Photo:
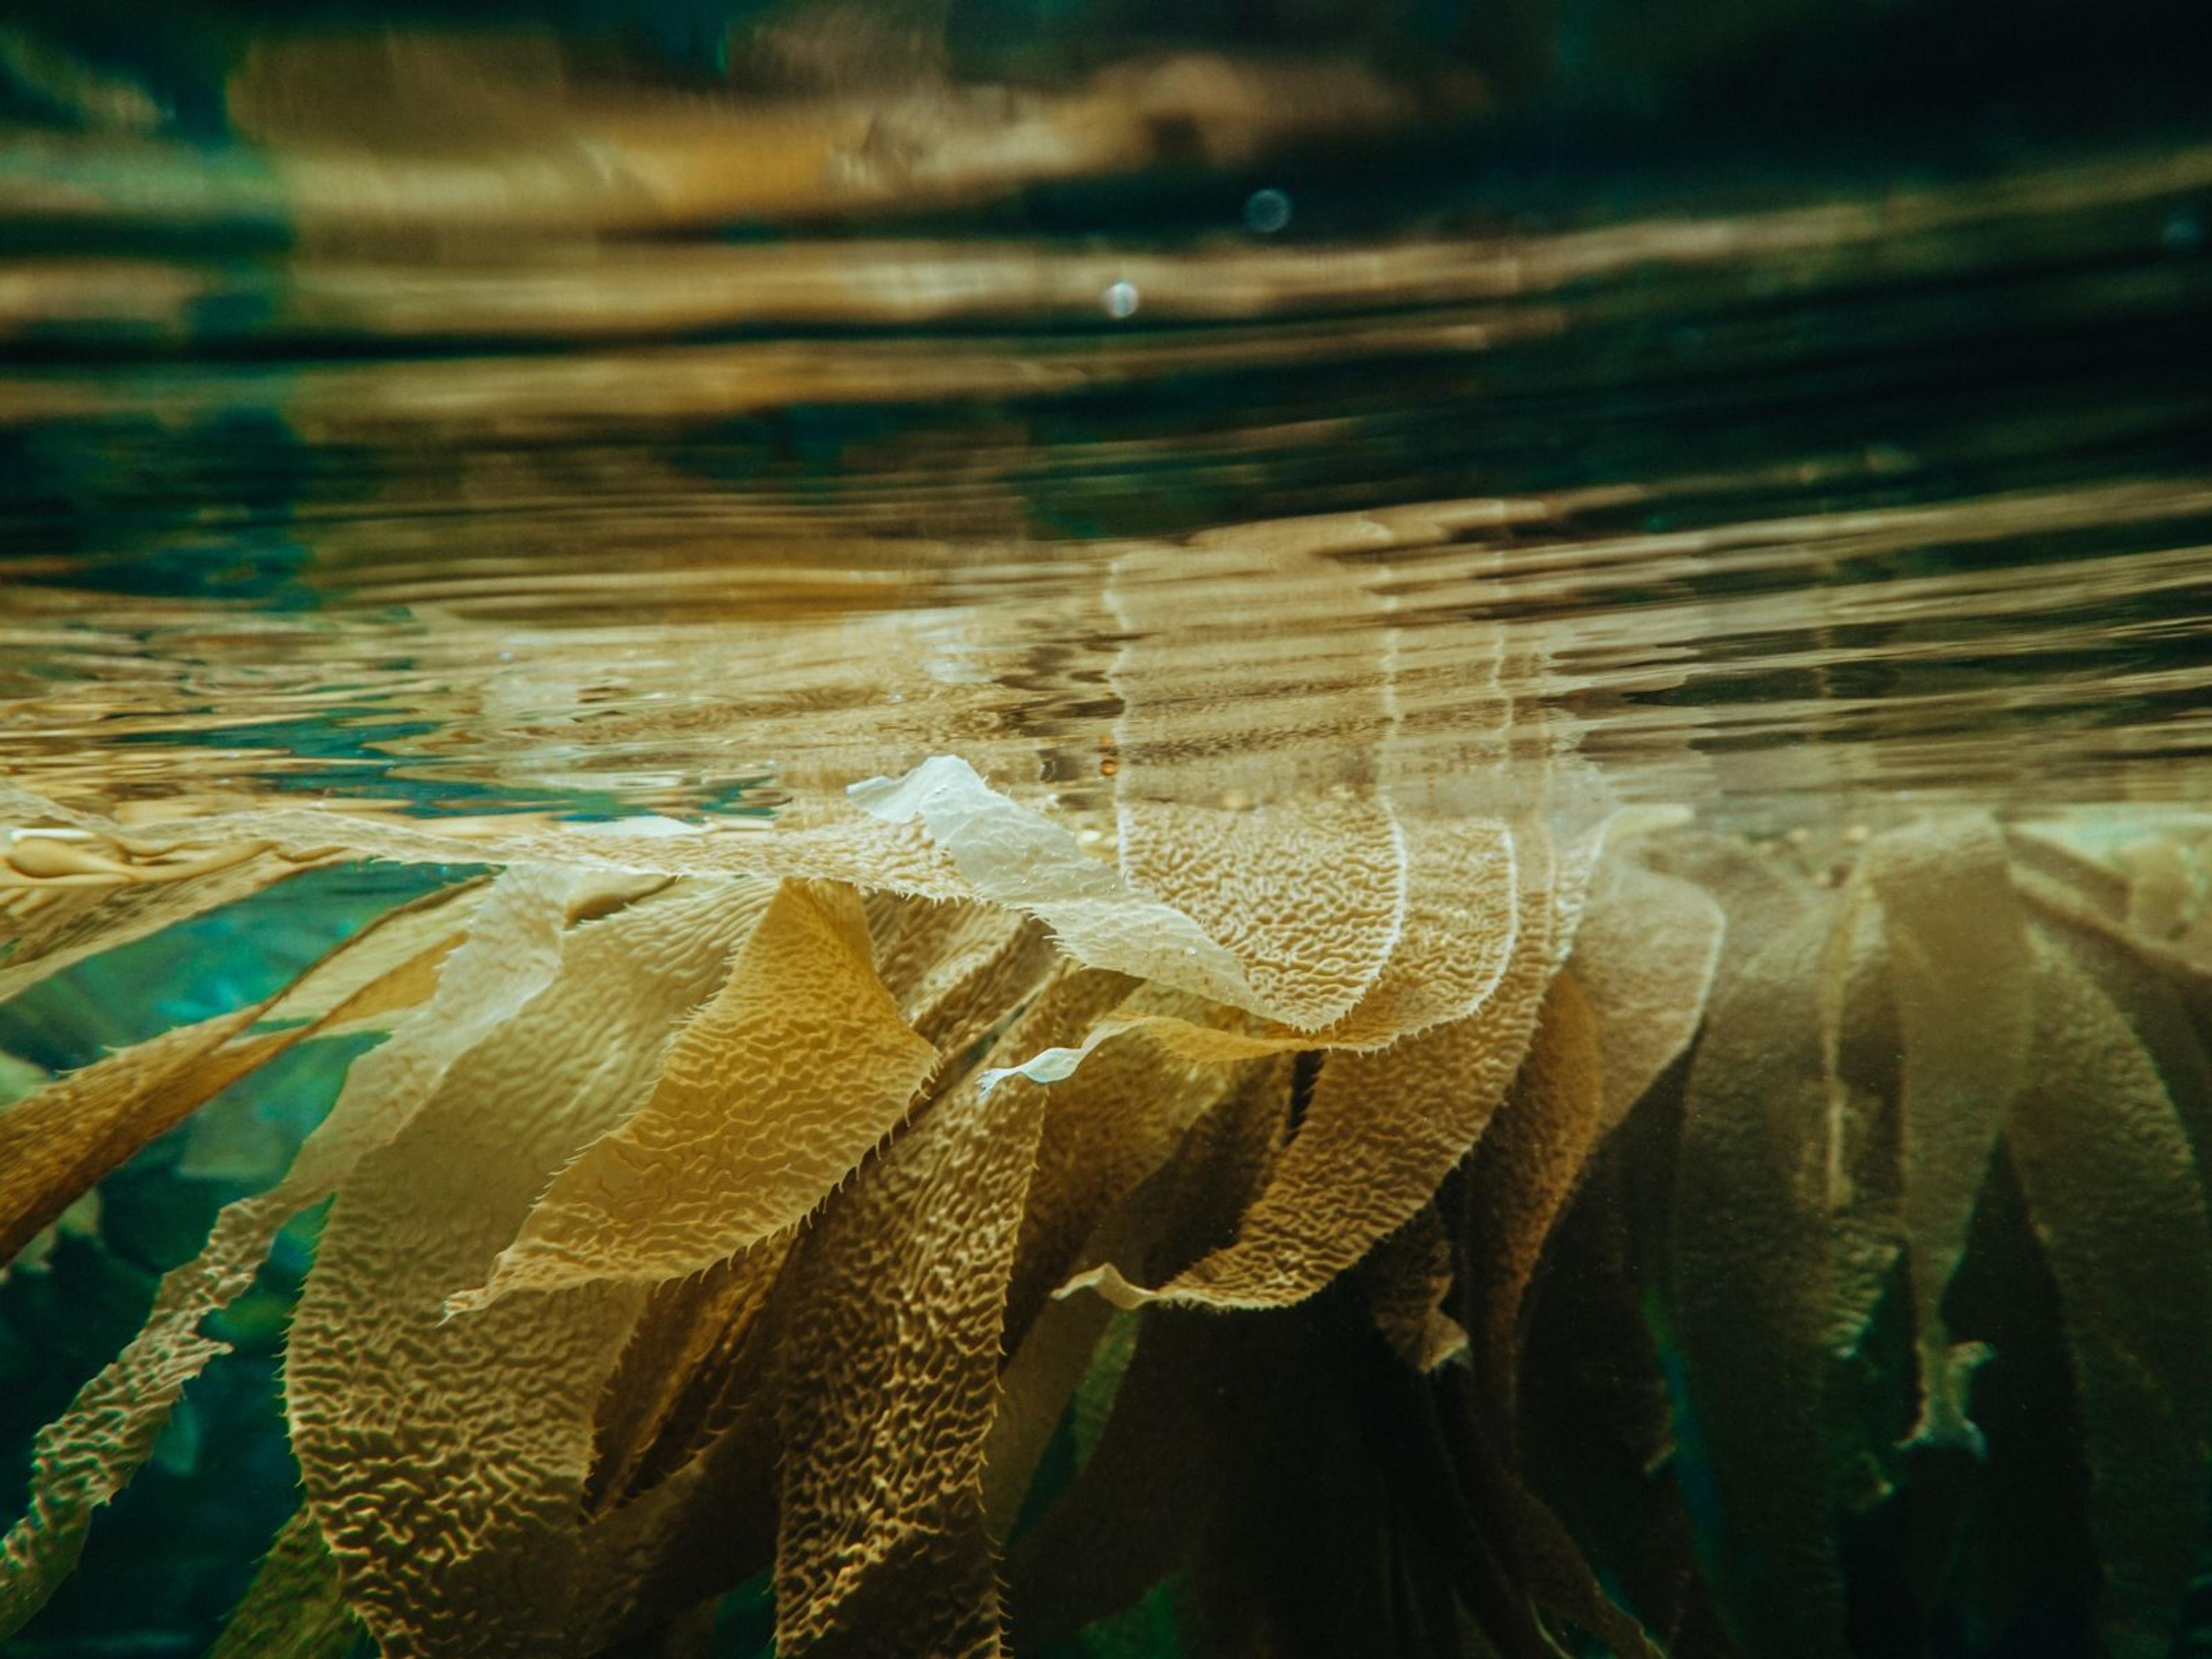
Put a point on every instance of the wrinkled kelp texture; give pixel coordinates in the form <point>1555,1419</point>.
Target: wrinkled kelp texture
<point>1323,1229</point>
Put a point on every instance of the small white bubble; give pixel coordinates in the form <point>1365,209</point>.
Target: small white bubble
<point>1266,211</point>
<point>1121,300</point>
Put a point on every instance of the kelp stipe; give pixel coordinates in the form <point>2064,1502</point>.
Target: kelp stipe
<point>1575,1262</point>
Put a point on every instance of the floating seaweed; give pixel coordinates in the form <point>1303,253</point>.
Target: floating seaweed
<point>686,1225</point>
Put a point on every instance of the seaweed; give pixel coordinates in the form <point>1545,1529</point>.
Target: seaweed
<point>1576,1235</point>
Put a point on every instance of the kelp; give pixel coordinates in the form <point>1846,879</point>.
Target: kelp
<point>742,1133</point>
<point>295,1606</point>
<point>715,1205</point>
<point>81,1461</point>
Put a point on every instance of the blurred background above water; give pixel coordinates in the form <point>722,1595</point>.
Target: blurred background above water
<point>566,407</point>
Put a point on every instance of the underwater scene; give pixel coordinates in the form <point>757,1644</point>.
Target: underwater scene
<point>1093,828</point>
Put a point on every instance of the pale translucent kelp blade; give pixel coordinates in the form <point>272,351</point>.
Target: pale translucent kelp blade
<point>1462,916</point>
<point>1644,956</point>
<point>1010,855</point>
<point>56,1143</point>
<point>1309,898</point>
<point>840,845</point>
<point>417,936</point>
<point>1301,877</point>
<point>799,1066</point>
<point>83,1458</point>
<point>1962,978</point>
<point>1380,1133</point>
<point>483,1552</point>
<point>1527,1169</point>
<point>1751,1270</point>
<point>48,923</point>
<point>294,1609</point>
<point>2119,1207</point>
<point>891,1370</point>
<point>1462,919</point>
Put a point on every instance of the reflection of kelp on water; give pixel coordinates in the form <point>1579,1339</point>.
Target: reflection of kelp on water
<point>685,1223</point>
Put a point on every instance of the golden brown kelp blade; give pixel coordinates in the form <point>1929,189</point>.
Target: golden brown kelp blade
<point>1752,1269</point>
<point>1527,1169</point>
<point>81,1460</point>
<point>1408,1279</point>
<point>1644,957</point>
<point>68,895</point>
<point>781,1178</point>
<point>749,1122</point>
<point>2118,1204</point>
<point>1381,1131</point>
<point>295,1608</point>
<point>694,1364</point>
<point>380,1385</point>
<point>1961,979</point>
<point>891,1368</point>
<point>56,1143</point>
<point>1594,1432</point>
<point>1142,1502</point>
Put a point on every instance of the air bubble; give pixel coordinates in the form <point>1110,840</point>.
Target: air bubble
<point>1266,211</point>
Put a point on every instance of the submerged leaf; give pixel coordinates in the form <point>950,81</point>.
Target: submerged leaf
<point>2120,1210</point>
<point>770,1096</point>
<point>293,1609</point>
<point>1013,856</point>
<point>445,1459</point>
<point>891,1370</point>
<point>1960,973</point>
<point>400,955</point>
<point>1750,1288</point>
<point>1147,1493</point>
<point>1462,919</point>
<point>1308,897</point>
<point>1644,957</point>
<point>47,924</point>
<point>1408,1279</point>
<point>83,1458</point>
<point>1107,1130</point>
<point>685,1374</point>
<point>1380,1133</point>
<point>1526,1170</point>
<point>55,1144</point>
